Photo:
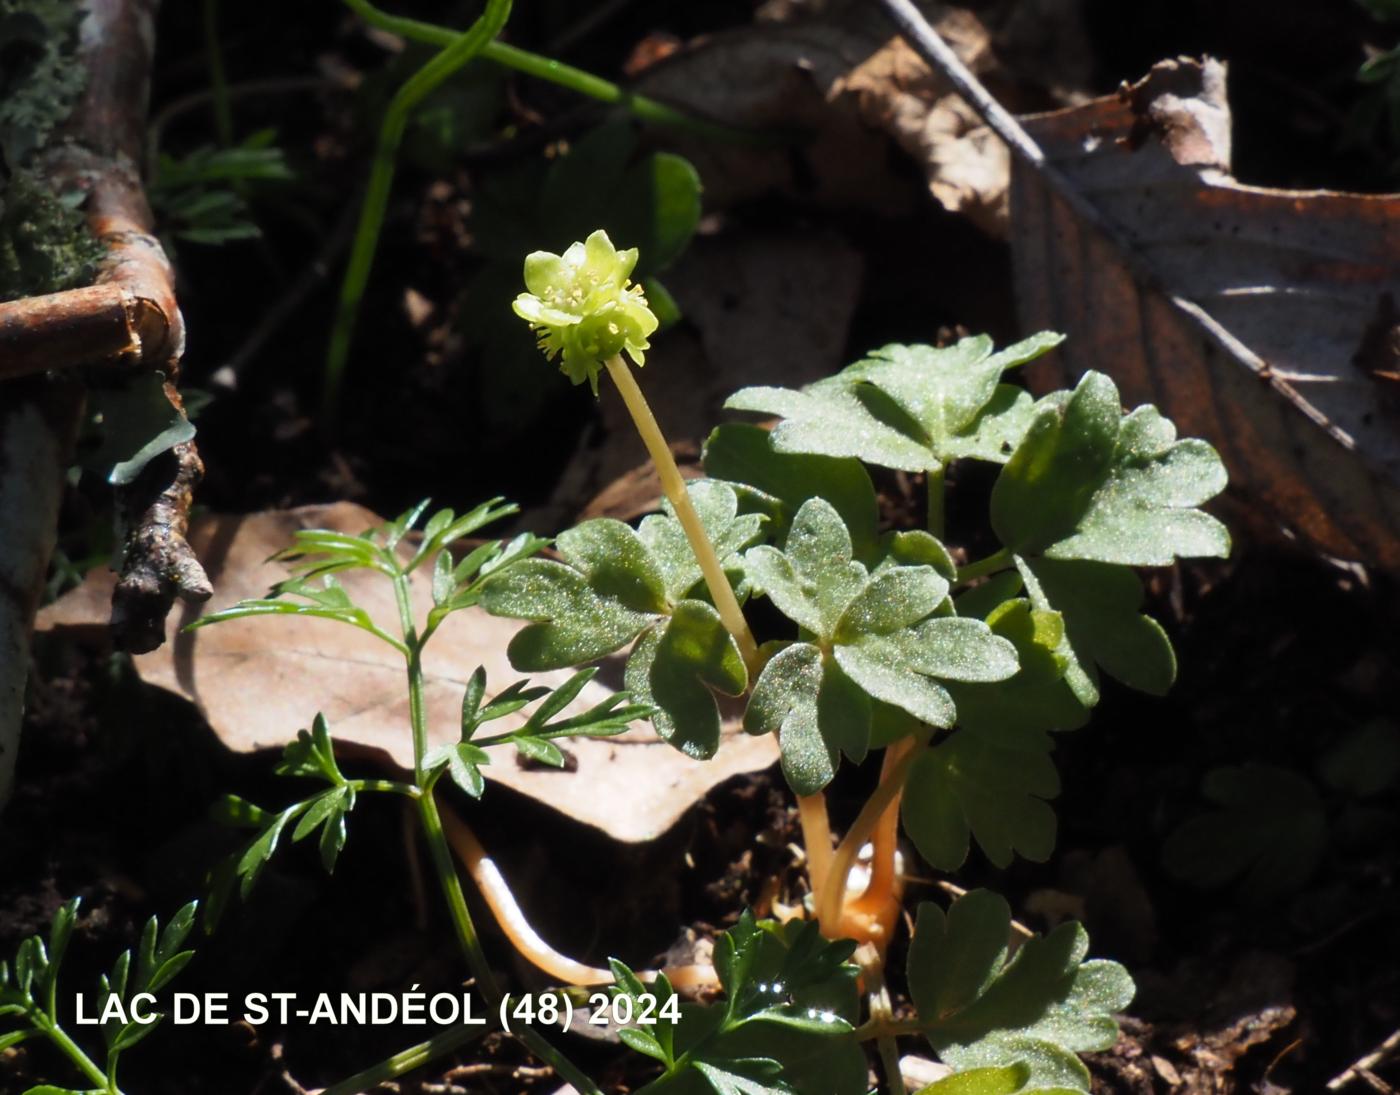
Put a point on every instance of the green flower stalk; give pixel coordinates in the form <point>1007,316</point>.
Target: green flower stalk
<point>587,313</point>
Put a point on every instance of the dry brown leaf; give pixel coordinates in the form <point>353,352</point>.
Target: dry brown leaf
<point>258,680</point>
<point>1260,319</point>
<point>844,80</point>
<point>966,165</point>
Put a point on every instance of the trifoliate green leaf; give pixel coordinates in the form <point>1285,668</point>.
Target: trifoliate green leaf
<point>1040,1008</point>
<point>915,547</point>
<point>676,666</point>
<point>816,711</point>
<point>607,590</point>
<point>777,483</point>
<point>327,811</point>
<point>312,754</point>
<point>1089,482</point>
<point>463,762</point>
<point>784,1026</point>
<point>879,630</point>
<point>1037,699</point>
<point>971,786</point>
<point>814,578</point>
<point>982,1081</point>
<point>1103,627</point>
<point>911,407</point>
<point>1267,829</point>
<point>717,506</point>
<point>615,585</point>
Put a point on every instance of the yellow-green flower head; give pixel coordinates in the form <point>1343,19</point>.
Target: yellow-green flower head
<point>582,306</point>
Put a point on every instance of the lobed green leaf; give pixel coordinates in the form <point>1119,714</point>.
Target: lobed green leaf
<point>785,1024</point>
<point>778,483</point>
<point>915,408</point>
<point>1091,483</point>
<point>1039,1007</point>
<point>677,667</point>
<point>970,786</point>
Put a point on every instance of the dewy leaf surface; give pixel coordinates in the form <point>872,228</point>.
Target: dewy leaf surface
<point>779,482</point>
<point>910,407</point>
<point>1089,492</point>
<point>676,665</point>
<point>790,1004</point>
<point>1041,1007</point>
<point>814,578</point>
<point>816,711</point>
<point>717,506</point>
<point>604,593</point>
<point>872,635</point>
<point>1104,628</point>
<point>1037,699</point>
<point>1089,482</point>
<point>615,585</point>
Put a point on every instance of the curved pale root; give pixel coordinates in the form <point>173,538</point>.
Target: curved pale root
<point>494,888</point>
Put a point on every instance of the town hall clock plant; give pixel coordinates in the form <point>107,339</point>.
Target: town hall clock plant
<point>883,640</point>
<point>960,671</point>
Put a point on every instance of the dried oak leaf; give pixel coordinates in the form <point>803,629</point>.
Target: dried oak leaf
<point>257,680</point>
<point>1249,315</point>
<point>847,84</point>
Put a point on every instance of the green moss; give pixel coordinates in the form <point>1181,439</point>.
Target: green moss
<point>45,245</point>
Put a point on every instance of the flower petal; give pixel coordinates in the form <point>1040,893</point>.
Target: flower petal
<point>544,272</point>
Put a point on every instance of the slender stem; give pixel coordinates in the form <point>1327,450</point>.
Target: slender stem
<point>833,895</point>
<point>407,1060</point>
<point>441,853</point>
<point>993,563</point>
<point>556,72</point>
<point>218,81</point>
<point>595,87</point>
<point>934,483</point>
<point>59,1037</point>
<point>540,1046</point>
<point>456,901</point>
<point>816,838</point>
<point>872,965</point>
<point>470,943</point>
<point>463,48</point>
<point>889,1061</point>
<point>671,482</point>
<point>887,1028</point>
<point>413,654</point>
<point>390,786</point>
<point>509,916</point>
<point>886,837</point>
